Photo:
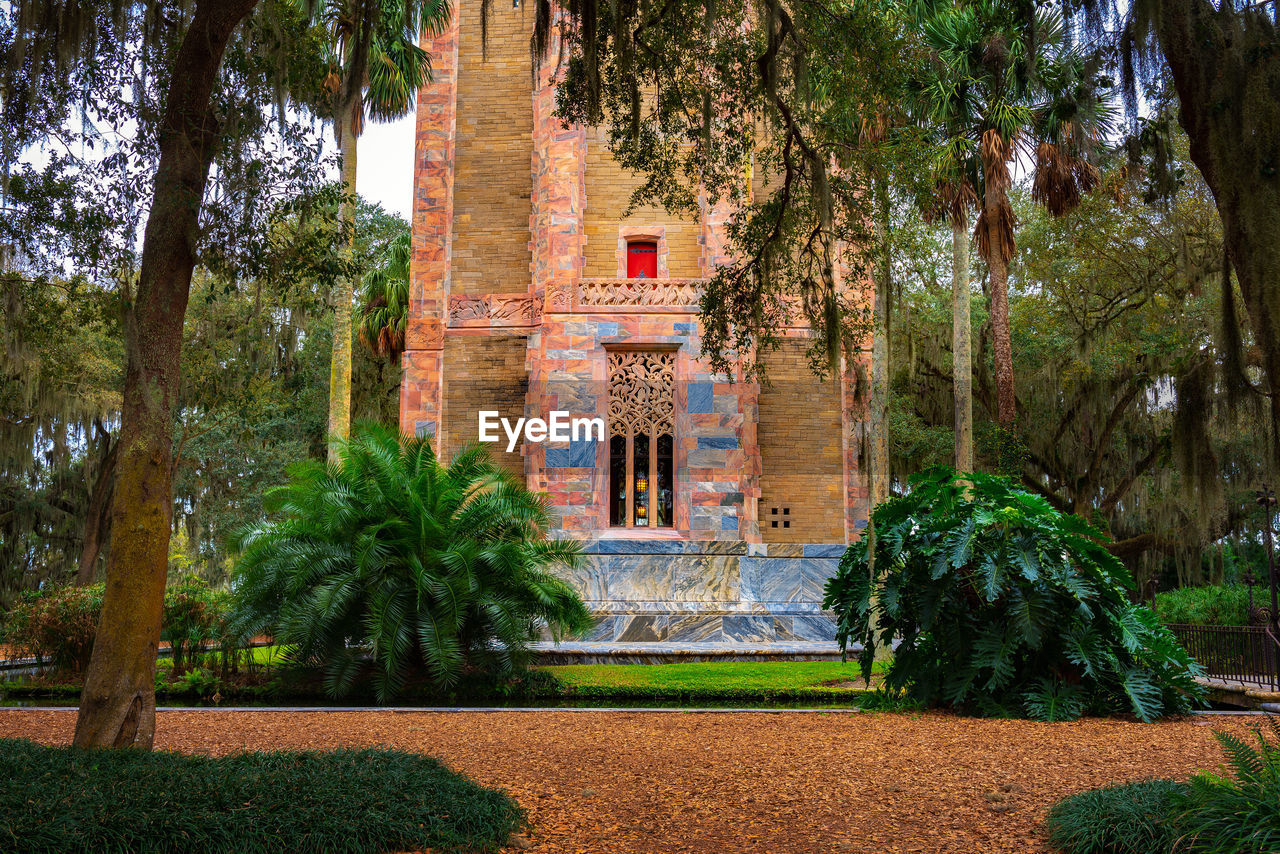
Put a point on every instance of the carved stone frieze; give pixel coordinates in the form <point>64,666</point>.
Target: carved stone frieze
<point>639,292</point>
<point>493,310</point>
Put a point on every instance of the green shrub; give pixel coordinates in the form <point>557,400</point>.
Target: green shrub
<point>56,625</point>
<point>56,799</point>
<point>1204,606</point>
<point>197,618</point>
<point>1005,606</point>
<point>1234,813</point>
<point>1237,813</point>
<point>1134,818</point>
<point>389,562</point>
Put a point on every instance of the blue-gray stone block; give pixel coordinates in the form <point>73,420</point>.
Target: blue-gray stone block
<point>424,429</point>
<point>699,397</point>
<point>717,442</point>
<point>696,630</point>
<point>737,628</point>
<point>637,547</point>
<point>705,458</point>
<point>816,573</point>
<point>771,580</point>
<point>725,404</point>
<point>814,627</point>
<point>834,550</point>
<point>729,523</point>
<point>686,328</point>
<point>581,453</point>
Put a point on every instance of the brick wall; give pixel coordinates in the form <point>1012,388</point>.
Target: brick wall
<point>802,469</point>
<point>483,373</point>
<point>494,147</point>
<point>609,189</point>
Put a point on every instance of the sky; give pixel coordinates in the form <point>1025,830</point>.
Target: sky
<point>385,157</point>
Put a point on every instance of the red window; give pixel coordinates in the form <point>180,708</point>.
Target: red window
<point>642,259</point>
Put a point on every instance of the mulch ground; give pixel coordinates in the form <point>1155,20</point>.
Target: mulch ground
<point>722,783</point>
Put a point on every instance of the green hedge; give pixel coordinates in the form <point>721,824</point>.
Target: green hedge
<point>55,799</point>
<point>1204,606</point>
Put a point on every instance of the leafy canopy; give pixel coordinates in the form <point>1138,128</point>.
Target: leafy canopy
<point>390,561</point>
<point>1003,605</point>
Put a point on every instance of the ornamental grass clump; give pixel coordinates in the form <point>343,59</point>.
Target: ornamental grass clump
<point>1133,818</point>
<point>1002,605</point>
<point>388,564</point>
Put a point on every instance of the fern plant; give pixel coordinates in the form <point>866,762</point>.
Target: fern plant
<point>389,562</point>
<point>1003,606</point>
<point>1237,813</point>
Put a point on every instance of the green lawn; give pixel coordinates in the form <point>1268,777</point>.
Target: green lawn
<point>741,675</point>
<point>713,682</point>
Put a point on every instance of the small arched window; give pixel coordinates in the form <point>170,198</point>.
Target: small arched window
<point>642,259</point>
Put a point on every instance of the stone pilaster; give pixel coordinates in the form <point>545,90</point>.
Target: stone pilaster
<point>421,391</point>
<point>559,189</point>
<point>561,373</point>
<point>715,235</point>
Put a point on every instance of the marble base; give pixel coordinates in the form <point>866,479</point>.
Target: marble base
<point>570,652</point>
<point>686,592</point>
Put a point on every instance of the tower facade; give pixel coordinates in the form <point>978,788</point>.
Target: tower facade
<point>712,508</point>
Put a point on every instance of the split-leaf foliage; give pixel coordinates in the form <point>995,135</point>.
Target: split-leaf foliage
<point>1002,605</point>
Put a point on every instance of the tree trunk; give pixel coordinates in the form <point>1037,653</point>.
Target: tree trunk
<point>878,417</point>
<point>117,705</point>
<point>1226,72</point>
<point>995,202</point>
<point>97,520</point>
<point>343,296</point>
<point>961,346</point>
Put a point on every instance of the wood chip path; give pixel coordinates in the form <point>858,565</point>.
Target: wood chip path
<point>723,783</point>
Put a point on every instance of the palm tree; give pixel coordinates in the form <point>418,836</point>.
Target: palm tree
<point>376,67</point>
<point>386,562</point>
<point>1002,89</point>
<point>384,301</point>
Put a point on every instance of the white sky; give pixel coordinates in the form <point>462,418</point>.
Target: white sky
<point>385,158</point>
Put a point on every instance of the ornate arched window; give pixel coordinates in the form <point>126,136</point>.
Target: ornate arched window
<point>641,438</point>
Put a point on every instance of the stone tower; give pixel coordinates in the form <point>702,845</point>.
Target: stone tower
<point>714,509</point>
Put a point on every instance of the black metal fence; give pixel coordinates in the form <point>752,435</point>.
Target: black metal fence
<point>1238,653</point>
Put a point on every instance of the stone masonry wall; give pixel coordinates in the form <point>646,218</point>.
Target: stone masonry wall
<point>483,373</point>
<point>609,189</point>
<point>494,146</point>
<point>802,464</point>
